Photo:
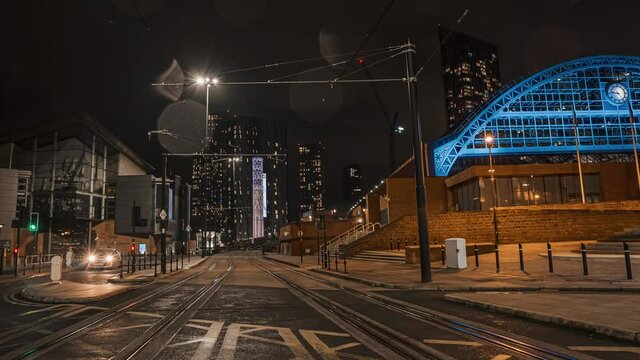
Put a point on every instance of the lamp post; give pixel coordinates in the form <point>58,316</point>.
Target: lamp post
<point>494,192</point>
<point>205,81</point>
<point>575,133</point>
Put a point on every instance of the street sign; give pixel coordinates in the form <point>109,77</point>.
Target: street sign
<point>188,228</point>
<point>163,214</point>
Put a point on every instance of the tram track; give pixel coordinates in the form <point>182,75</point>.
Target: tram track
<point>519,345</point>
<point>47,343</point>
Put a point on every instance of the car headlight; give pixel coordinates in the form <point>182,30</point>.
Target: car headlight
<point>109,258</point>
<point>92,258</point>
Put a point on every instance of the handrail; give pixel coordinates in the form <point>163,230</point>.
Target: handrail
<point>357,232</point>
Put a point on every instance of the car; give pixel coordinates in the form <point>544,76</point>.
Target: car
<point>104,259</point>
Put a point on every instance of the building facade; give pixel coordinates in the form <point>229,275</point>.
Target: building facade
<point>311,177</point>
<point>66,172</point>
<point>239,188</point>
<point>470,72</point>
<point>352,183</point>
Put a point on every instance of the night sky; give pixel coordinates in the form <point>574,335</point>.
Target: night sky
<point>61,57</point>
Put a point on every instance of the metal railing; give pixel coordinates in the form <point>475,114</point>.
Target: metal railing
<point>357,232</point>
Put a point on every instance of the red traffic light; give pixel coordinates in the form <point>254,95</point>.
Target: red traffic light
<point>15,250</point>
<point>361,61</point>
<point>133,248</point>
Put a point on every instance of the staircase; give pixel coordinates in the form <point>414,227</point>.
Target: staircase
<point>380,256</point>
<point>349,236</point>
<point>614,244</point>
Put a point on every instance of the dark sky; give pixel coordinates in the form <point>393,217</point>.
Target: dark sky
<point>61,57</point>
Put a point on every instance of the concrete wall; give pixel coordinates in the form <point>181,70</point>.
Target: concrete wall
<point>401,193</point>
<point>127,167</point>
<point>515,224</point>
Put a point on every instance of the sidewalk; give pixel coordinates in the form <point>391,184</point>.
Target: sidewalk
<point>615,315</point>
<point>149,274</point>
<point>605,273</point>
<point>72,292</point>
<point>31,273</point>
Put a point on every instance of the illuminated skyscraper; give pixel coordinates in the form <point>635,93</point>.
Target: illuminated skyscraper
<point>351,184</point>
<point>470,73</point>
<point>311,177</point>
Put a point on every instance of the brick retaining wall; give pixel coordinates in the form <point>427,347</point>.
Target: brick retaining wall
<point>525,224</point>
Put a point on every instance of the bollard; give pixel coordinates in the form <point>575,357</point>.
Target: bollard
<point>627,260</point>
<point>497,251</point>
<point>336,260</point>
<point>521,257</point>
<point>133,262</point>
<point>171,261</point>
<point>391,244</point>
<point>128,263</point>
<point>585,266</point>
<point>24,266</point>
<point>155,265</point>
<point>139,268</point>
<point>121,267</point>
<point>550,256</point>
<point>40,263</point>
<point>344,257</point>
<point>405,243</point>
<point>475,253</point>
<point>398,243</point>
<point>144,261</point>
<point>182,260</point>
<point>415,243</point>
<point>442,255</point>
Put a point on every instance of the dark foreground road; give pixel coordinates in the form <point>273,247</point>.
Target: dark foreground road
<point>240,306</point>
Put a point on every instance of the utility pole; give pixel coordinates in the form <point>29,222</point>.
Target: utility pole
<point>421,196</point>
<point>163,222</point>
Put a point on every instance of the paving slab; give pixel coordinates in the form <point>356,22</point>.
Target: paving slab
<point>615,315</point>
<point>71,292</point>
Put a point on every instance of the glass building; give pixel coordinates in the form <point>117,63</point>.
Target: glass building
<point>532,120</point>
<point>311,169</point>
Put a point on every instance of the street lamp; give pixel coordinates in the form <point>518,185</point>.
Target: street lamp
<point>489,141</point>
<point>208,82</point>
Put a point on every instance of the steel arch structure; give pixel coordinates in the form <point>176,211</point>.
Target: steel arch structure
<point>534,116</point>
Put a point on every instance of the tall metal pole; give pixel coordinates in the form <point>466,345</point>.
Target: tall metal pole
<point>575,133</point>
<point>163,222</point>
<point>206,119</point>
<point>421,196</point>
<point>494,190</point>
<point>633,139</point>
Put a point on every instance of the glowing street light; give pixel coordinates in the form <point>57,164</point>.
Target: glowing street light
<point>489,141</point>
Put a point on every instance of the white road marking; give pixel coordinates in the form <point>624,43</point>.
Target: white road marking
<point>501,357</point>
<point>205,348</point>
<point>327,352</point>
<point>629,349</point>
<point>236,331</point>
<point>451,342</point>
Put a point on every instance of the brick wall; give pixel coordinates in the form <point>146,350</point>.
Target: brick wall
<point>515,224</point>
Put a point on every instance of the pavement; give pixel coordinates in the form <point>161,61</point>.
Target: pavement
<point>565,297</point>
<point>66,291</point>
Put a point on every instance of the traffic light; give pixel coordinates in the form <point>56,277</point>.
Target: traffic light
<point>133,248</point>
<point>15,250</point>
<point>34,219</point>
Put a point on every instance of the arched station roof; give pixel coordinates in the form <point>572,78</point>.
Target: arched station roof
<point>535,115</point>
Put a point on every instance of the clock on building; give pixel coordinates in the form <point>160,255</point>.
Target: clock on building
<point>616,93</point>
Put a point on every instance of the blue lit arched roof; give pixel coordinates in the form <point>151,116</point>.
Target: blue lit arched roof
<point>534,116</point>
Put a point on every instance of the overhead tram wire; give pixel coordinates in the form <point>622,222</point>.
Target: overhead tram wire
<point>290,62</point>
<point>444,41</point>
<point>386,50</point>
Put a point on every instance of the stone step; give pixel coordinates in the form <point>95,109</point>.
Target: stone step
<point>380,256</point>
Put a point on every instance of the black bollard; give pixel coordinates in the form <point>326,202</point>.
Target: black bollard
<point>442,254</point>
<point>521,255</point>
<point>398,243</point>
<point>40,263</point>
<point>121,260</point>
<point>344,257</point>
<point>627,260</point>
<point>155,265</point>
<point>144,261</point>
<point>405,243</point>
<point>336,260</point>
<point>391,244</point>
<point>415,243</point>
<point>475,254</point>
<point>497,251</point>
<point>550,257</point>
<point>585,266</point>
<point>139,265</point>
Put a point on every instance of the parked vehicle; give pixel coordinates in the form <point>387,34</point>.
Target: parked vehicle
<point>104,259</point>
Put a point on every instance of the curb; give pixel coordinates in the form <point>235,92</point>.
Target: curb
<point>145,279</point>
<point>282,261</point>
<point>617,333</point>
<point>362,281</point>
<point>27,294</point>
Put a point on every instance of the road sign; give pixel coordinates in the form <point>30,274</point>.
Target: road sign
<point>163,214</point>
<point>188,228</point>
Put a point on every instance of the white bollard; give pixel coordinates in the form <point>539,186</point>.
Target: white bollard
<point>56,268</point>
<point>69,256</point>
